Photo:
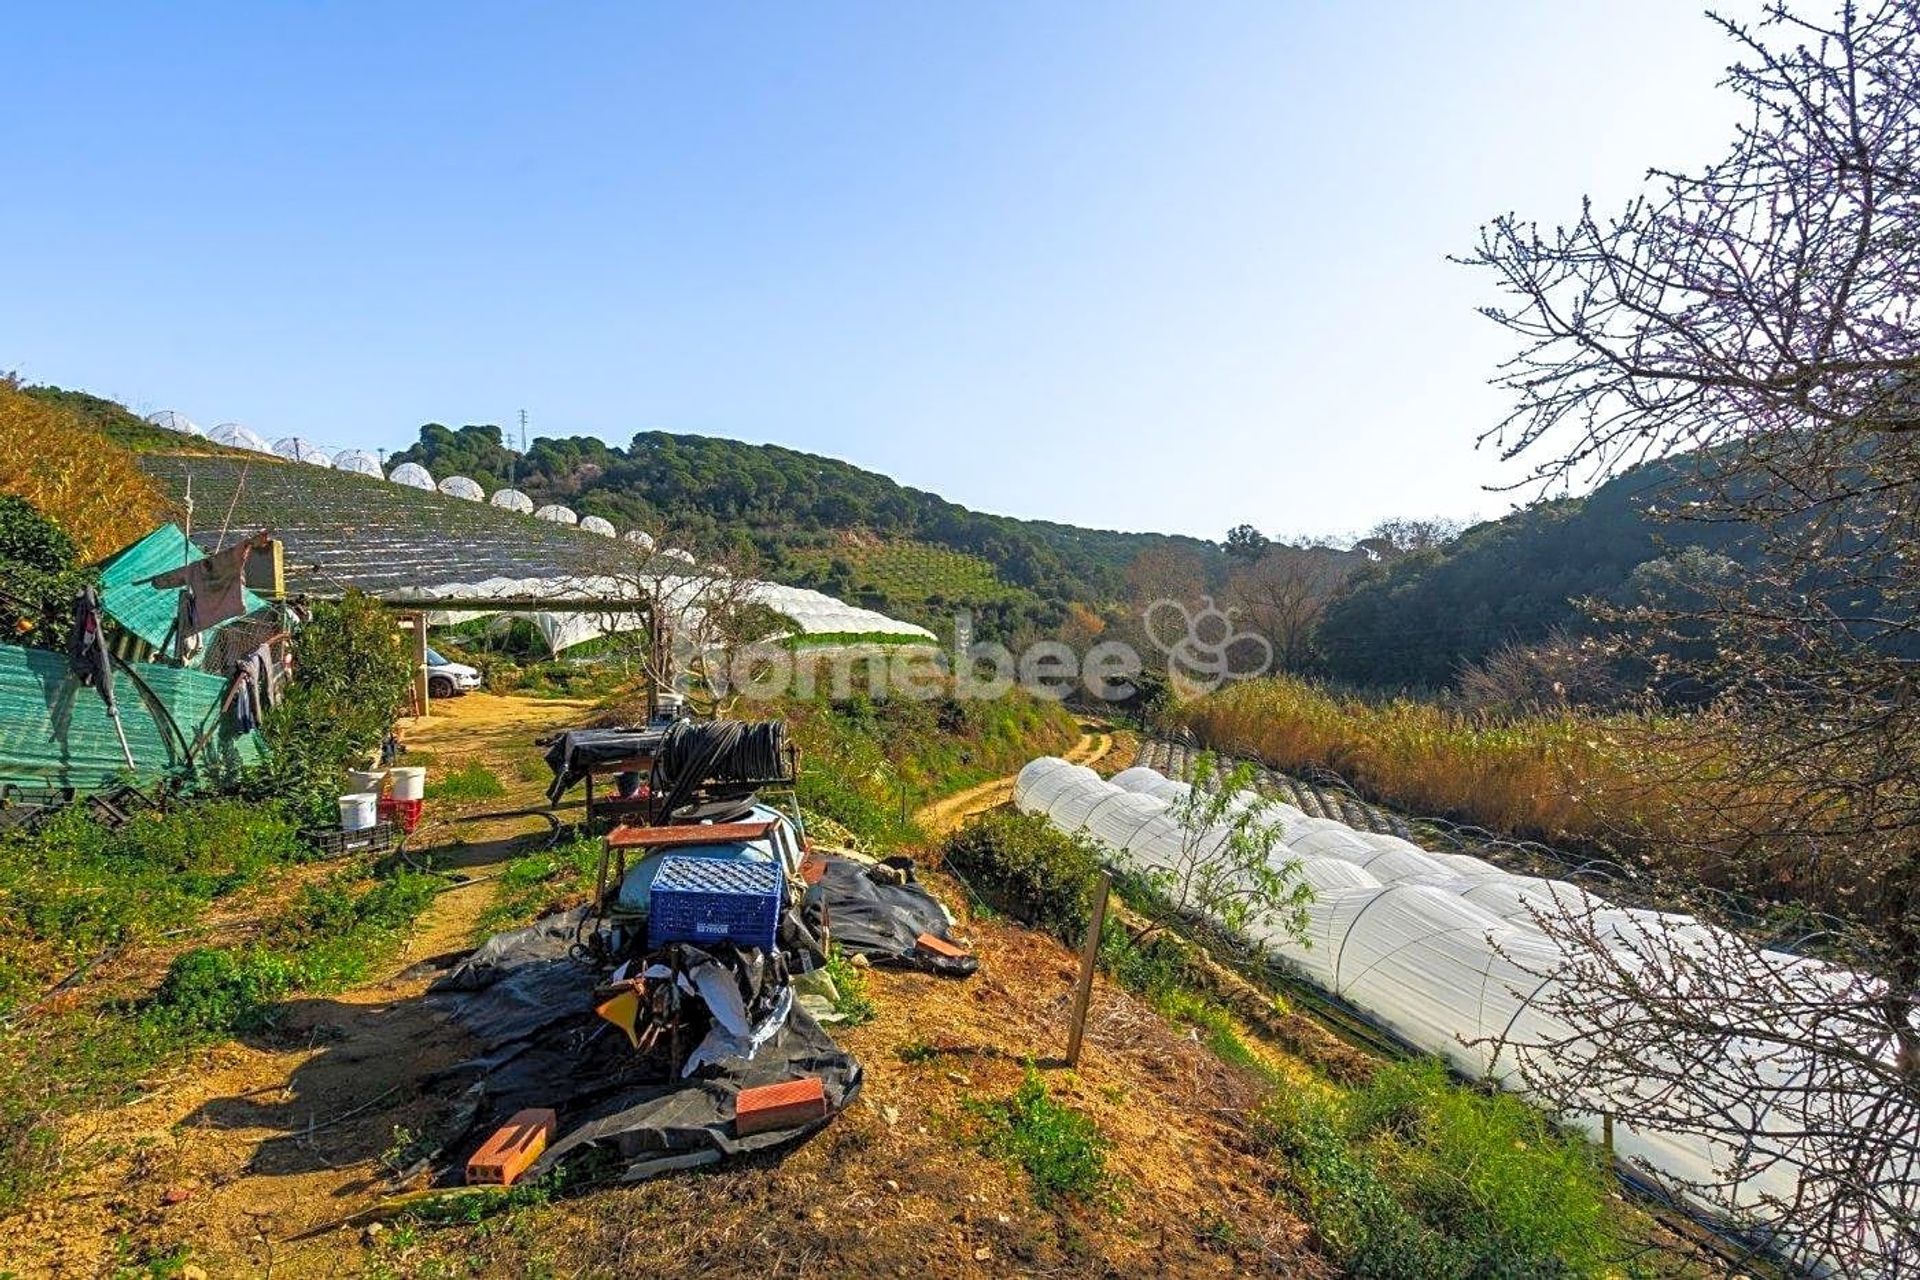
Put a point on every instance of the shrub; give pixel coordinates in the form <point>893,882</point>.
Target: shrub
<point>1035,871</point>
<point>214,992</point>
<point>39,576</point>
<point>352,681</point>
<point>1062,1151</point>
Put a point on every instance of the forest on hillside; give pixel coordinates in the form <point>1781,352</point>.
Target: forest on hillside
<point>775,502</point>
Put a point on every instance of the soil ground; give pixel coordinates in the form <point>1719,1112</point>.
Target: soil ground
<point>264,1157</point>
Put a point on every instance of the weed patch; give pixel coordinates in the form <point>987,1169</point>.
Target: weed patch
<point>1064,1154</point>
<point>852,1000</point>
<point>471,781</point>
<point>1412,1175</point>
<point>531,882</point>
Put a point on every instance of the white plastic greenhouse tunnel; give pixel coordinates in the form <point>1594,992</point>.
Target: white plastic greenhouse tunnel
<point>512,500</point>
<point>639,538</point>
<point>462,487</point>
<point>412,475</point>
<point>294,449</point>
<point>237,436</point>
<point>598,524</point>
<point>359,462</point>
<point>810,612</point>
<point>168,420</point>
<point>556,513</point>
<point>1445,951</point>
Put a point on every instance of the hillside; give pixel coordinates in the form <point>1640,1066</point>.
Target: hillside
<point>1416,621</point>
<point>796,510</point>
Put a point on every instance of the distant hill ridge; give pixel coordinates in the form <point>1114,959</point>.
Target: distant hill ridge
<point>791,506</point>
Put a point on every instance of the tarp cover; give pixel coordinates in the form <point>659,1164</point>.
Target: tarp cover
<point>578,750</point>
<point>871,917</point>
<point>529,1005</point>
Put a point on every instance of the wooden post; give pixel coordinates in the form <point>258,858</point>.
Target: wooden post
<point>420,681</point>
<point>1606,1133</point>
<point>1089,957</point>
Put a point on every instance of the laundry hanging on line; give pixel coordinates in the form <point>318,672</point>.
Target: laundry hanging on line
<point>214,589</point>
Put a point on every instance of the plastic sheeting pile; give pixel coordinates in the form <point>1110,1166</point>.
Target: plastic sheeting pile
<point>1445,950</point>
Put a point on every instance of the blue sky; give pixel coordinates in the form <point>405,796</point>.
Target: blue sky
<point>1147,266</point>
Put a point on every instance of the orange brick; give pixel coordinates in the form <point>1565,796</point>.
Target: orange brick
<point>940,947</point>
<point>779,1106</point>
<point>513,1146</point>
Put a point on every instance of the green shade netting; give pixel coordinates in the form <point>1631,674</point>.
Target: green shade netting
<point>55,732</point>
<point>144,610</point>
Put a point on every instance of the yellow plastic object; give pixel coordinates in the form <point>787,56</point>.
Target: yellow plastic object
<point>623,1011</point>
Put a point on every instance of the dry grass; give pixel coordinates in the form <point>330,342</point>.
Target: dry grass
<point>86,484</point>
<point>1567,777</point>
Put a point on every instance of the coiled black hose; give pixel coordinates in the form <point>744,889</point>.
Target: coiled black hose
<point>719,751</point>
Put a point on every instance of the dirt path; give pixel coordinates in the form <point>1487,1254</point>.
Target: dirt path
<point>243,1150</point>
<point>1097,742</point>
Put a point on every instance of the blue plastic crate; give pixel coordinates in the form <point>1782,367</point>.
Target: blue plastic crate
<point>713,900</point>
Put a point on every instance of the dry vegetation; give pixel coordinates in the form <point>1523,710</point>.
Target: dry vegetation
<point>63,466</point>
<point>1566,776</point>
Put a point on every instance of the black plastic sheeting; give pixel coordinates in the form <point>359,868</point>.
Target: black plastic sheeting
<point>578,750</point>
<point>530,1006</point>
<point>868,914</point>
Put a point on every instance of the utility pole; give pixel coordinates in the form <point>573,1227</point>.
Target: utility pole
<point>513,456</point>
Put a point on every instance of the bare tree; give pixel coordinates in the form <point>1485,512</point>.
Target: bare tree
<point>1755,324</point>
<point>689,620</point>
<point>1283,593</point>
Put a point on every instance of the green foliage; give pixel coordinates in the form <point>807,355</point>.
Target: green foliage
<point>216,992</point>
<point>1225,869</point>
<point>330,935</point>
<point>1031,868</point>
<point>916,578</point>
<point>1416,621</point>
<point>75,887</point>
<point>1413,1176</point>
<point>868,763</point>
<point>39,576</point>
<point>791,506</point>
<point>1064,1154</point>
<point>352,682</point>
<point>852,1000</point>
<point>532,881</point>
<point>471,781</point>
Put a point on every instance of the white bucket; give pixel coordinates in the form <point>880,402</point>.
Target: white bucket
<point>359,811</point>
<point>366,779</point>
<point>409,783</point>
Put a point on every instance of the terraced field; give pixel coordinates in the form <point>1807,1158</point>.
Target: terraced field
<point>910,570</point>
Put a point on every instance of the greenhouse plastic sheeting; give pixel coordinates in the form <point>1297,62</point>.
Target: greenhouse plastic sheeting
<point>512,500</point>
<point>55,732</point>
<point>412,475</point>
<point>812,613</point>
<point>1447,951</point>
